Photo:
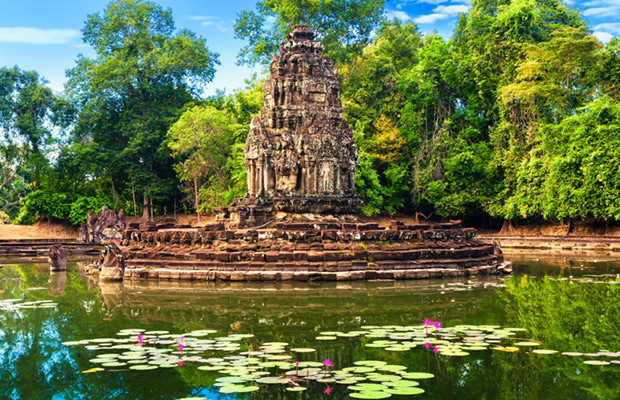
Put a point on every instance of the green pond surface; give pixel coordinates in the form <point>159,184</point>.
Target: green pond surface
<point>66,336</point>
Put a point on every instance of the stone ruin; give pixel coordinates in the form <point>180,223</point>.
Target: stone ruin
<point>103,227</point>
<point>299,154</point>
<point>57,257</point>
<point>298,221</point>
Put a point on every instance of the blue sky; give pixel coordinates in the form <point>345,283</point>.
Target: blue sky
<point>45,35</point>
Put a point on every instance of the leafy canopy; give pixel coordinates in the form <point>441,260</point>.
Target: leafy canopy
<point>344,26</point>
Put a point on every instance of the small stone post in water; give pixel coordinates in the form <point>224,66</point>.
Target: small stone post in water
<point>57,258</point>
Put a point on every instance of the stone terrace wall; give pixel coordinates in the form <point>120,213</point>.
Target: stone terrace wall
<point>307,251</point>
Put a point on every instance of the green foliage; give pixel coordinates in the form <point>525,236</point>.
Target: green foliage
<point>79,208</point>
<point>608,68</point>
<point>371,98</point>
<point>201,142</point>
<point>344,26</point>
<point>132,91</point>
<point>43,204</point>
<point>515,116</point>
<point>25,106</point>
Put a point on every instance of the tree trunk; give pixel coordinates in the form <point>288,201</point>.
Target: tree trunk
<point>114,197</point>
<point>133,194</point>
<point>196,198</point>
<point>569,227</point>
<point>146,214</point>
<point>151,207</point>
<point>506,227</point>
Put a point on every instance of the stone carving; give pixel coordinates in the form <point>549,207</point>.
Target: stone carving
<point>299,155</point>
<point>106,225</point>
<point>112,267</point>
<point>57,258</point>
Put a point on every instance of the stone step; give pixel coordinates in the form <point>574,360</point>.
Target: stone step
<point>304,275</point>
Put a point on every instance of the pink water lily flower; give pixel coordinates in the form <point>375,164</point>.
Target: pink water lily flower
<point>436,350</point>
<point>328,390</point>
<point>328,364</point>
<point>437,324</point>
<point>428,322</point>
<point>181,346</point>
<point>427,345</point>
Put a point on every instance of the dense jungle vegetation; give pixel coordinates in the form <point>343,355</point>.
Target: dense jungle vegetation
<point>515,117</point>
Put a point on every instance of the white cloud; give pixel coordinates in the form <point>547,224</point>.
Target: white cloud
<point>613,27</point>
<point>401,15</point>
<point>602,37</point>
<point>212,22</point>
<point>429,19</point>
<point>600,8</point>
<point>601,11</point>
<point>38,36</point>
<point>598,3</point>
<point>441,12</point>
<point>434,2</point>
<point>451,10</point>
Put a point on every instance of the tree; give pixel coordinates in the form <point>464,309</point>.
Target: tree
<point>26,106</point>
<point>344,26</point>
<point>27,114</point>
<point>128,96</point>
<point>201,142</point>
<point>372,102</point>
<point>609,68</point>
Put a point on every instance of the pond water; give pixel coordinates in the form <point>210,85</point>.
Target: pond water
<point>65,336</point>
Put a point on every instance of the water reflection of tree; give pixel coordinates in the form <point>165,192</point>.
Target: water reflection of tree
<point>564,316</point>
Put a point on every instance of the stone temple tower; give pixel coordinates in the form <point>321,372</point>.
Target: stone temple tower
<point>299,154</point>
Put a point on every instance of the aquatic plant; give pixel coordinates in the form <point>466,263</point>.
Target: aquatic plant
<point>273,363</point>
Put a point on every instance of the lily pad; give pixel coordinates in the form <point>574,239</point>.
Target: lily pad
<point>303,350</point>
<point>370,395</point>
<point>417,375</point>
<point>544,351</point>
<point>143,367</point>
<point>596,362</point>
<point>405,391</point>
<point>238,389</point>
<point>296,389</point>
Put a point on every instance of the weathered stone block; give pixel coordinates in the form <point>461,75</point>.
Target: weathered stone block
<point>285,256</point>
<point>271,256</point>
<point>300,256</point>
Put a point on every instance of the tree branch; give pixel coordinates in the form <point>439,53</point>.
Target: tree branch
<point>11,175</point>
<point>10,204</point>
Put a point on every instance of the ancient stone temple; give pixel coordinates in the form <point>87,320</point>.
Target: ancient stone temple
<point>299,154</point>
<point>299,220</point>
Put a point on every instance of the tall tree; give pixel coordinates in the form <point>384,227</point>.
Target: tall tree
<point>201,143</point>
<point>26,106</point>
<point>609,68</point>
<point>372,103</point>
<point>344,26</point>
<point>133,90</point>
<point>27,109</point>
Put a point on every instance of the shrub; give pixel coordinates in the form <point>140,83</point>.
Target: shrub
<point>80,207</point>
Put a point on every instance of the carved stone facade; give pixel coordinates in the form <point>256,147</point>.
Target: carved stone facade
<point>106,225</point>
<point>299,155</point>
